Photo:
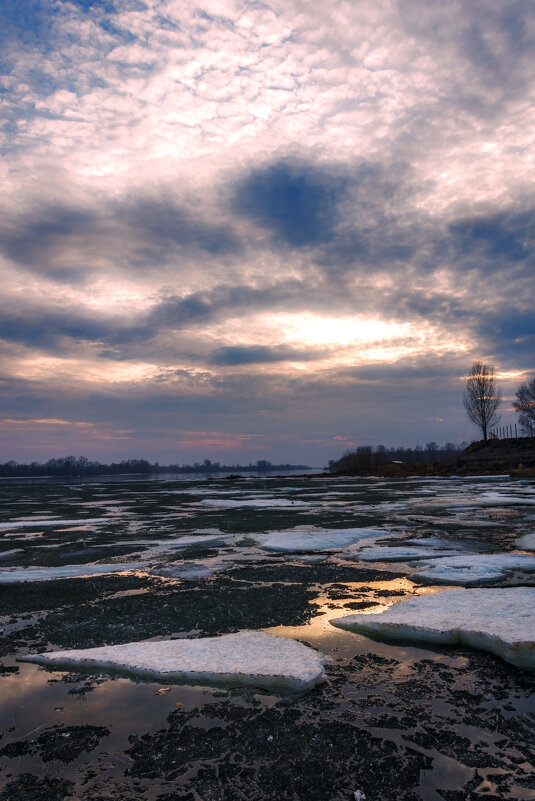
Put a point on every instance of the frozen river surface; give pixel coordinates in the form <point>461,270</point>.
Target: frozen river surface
<point>100,563</point>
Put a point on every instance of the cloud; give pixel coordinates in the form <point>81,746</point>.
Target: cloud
<point>227,301</point>
<point>261,354</point>
<point>507,237</point>
<point>185,184</point>
<point>51,329</point>
<point>68,241</point>
<point>297,202</point>
<point>161,225</point>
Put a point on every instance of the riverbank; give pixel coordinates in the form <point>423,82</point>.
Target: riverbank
<point>514,457</point>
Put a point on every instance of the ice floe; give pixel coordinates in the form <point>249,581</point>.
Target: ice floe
<point>175,543</point>
<point>499,477</point>
<point>468,523</point>
<point>16,574</point>
<point>527,542</point>
<point>7,554</point>
<point>246,658</point>
<point>190,570</point>
<point>475,501</point>
<point>448,502</point>
<point>51,521</point>
<point>255,503</point>
<point>437,542</point>
<point>404,554</point>
<point>475,567</point>
<point>317,539</point>
<point>501,621</point>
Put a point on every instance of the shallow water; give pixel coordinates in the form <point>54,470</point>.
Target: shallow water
<point>395,721</point>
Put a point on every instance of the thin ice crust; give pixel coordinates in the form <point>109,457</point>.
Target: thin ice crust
<point>501,621</point>
<point>471,568</point>
<point>316,539</point>
<point>246,658</point>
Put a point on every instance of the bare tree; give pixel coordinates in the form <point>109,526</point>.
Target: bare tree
<point>525,406</point>
<point>482,397</point>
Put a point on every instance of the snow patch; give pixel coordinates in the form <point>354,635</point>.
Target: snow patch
<point>501,621</point>
<point>245,658</point>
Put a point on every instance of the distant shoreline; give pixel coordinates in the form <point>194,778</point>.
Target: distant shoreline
<point>229,473</point>
<point>514,457</point>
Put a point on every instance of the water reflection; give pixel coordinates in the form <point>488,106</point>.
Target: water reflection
<point>335,642</point>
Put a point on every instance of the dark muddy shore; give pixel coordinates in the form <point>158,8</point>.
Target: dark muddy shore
<point>399,723</point>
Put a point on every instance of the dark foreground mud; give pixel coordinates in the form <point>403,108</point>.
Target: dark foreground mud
<point>452,726</point>
<point>397,722</point>
<point>59,743</point>
<point>170,608</point>
<point>369,728</point>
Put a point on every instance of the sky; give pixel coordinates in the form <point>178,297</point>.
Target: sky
<point>274,230</point>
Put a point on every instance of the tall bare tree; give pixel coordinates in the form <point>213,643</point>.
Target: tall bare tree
<point>482,397</point>
<point>525,405</point>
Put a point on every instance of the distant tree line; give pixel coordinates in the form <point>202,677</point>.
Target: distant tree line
<point>82,466</point>
<point>367,458</point>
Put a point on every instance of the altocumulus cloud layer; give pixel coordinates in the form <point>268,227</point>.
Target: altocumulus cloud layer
<point>244,230</point>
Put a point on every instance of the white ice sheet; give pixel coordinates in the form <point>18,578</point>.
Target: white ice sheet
<point>501,621</point>
<point>248,657</point>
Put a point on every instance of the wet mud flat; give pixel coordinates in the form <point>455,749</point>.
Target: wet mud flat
<point>392,720</point>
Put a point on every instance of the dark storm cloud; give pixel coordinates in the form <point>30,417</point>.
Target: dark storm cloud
<point>262,354</point>
<point>510,333</point>
<point>507,236</point>
<point>497,52</point>
<point>495,39</point>
<point>428,368</point>
<point>367,235</point>
<point>206,306</point>
<point>143,232</point>
<point>356,226</point>
<point>349,220</point>
<point>161,225</point>
<point>296,201</point>
<point>342,220</point>
<point>52,329</point>
<point>41,239</point>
